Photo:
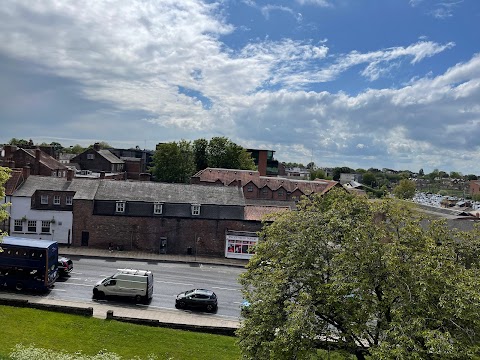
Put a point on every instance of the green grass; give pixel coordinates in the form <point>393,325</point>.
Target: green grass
<point>72,333</point>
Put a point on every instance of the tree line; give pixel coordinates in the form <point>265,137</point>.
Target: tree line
<point>176,162</point>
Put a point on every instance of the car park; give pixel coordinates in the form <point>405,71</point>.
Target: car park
<point>65,266</point>
<point>197,299</point>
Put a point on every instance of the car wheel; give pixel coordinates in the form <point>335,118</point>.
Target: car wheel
<point>98,294</point>
<point>19,286</point>
<point>181,304</point>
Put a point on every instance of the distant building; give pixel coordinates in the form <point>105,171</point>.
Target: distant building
<point>266,164</point>
<point>98,160</point>
<point>347,178</point>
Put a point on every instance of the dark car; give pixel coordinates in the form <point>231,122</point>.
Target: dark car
<point>198,299</point>
<point>65,266</point>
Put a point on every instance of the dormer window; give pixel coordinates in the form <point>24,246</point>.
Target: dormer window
<point>44,199</point>
<point>90,156</point>
<point>195,210</point>
<point>120,208</point>
<point>250,188</point>
<point>157,208</point>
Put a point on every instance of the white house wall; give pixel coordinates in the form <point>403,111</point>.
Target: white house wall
<point>60,228</point>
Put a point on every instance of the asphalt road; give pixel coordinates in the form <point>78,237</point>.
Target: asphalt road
<point>169,280</point>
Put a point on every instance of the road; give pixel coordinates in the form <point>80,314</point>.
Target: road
<point>169,280</point>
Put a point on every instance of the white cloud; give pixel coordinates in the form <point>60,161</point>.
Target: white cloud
<point>136,56</point>
<point>321,3</point>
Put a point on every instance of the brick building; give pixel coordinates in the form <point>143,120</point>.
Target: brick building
<point>39,162</point>
<point>257,187</point>
<point>98,160</point>
<point>474,187</point>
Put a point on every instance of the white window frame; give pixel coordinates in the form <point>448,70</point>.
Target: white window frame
<point>31,223</point>
<point>120,207</point>
<point>195,209</point>
<point>56,199</point>
<point>17,223</point>
<point>44,199</point>
<point>69,200</point>
<point>158,208</point>
<point>46,224</point>
<point>90,156</point>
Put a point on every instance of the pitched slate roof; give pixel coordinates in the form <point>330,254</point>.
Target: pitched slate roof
<point>168,193</point>
<point>107,154</point>
<point>228,176</point>
<point>46,160</point>
<point>13,182</point>
<point>83,188</point>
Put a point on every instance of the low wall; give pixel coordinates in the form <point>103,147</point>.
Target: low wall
<point>49,307</point>
<point>198,328</point>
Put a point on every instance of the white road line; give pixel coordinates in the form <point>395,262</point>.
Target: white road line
<point>222,288</point>
<point>172,282</point>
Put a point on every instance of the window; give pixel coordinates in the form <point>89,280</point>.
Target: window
<point>157,208</point>
<point>44,199</point>
<point>90,156</point>
<point>45,226</point>
<point>69,200</point>
<point>32,225</point>
<point>280,193</point>
<point>196,210</point>
<point>120,207</point>
<point>56,199</point>
<point>54,173</point>
<point>250,188</point>
<point>264,191</point>
<point>18,225</point>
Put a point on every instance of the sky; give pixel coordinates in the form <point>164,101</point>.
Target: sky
<point>359,83</point>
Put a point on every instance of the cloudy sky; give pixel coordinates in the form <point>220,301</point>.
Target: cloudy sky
<point>339,82</point>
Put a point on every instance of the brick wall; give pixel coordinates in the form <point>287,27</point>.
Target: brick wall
<point>144,233</point>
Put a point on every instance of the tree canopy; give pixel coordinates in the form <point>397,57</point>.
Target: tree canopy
<point>405,189</point>
<point>177,162</point>
<point>4,176</point>
<point>364,277</point>
<point>173,162</point>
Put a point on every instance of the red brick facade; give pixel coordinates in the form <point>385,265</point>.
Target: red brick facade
<point>207,236</point>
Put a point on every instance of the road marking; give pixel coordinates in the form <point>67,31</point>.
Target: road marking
<point>76,284</point>
<point>222,288</point>
<point>173,282</point>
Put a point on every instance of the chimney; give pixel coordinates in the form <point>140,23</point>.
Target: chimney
<point>69,175</point>
<point>38,153</point>
<point>96,146</point>
<point>8,151</point>
<point>26,172</point>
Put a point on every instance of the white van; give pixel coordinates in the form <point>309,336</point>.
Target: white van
<point>137,284</point>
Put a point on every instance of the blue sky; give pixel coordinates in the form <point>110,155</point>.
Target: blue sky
<point>392,83</point>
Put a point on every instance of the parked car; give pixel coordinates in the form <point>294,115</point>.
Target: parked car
<point>65,266</point>
<point>197,298</point>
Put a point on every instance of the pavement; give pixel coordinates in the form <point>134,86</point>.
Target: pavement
<point>167,316</point>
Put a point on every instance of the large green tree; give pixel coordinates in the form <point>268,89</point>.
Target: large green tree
<point>173,162</point>
<point>200,147</point>
<point>224,153</point>
<point>4,176</point>
<point>363,277</point>
<point>405,189</point>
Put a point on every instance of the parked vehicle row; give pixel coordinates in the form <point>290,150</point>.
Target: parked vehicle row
<point>35,264</point>
<point>138,285</point>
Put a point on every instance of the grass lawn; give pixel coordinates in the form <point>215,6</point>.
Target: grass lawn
<point>72,333</point>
